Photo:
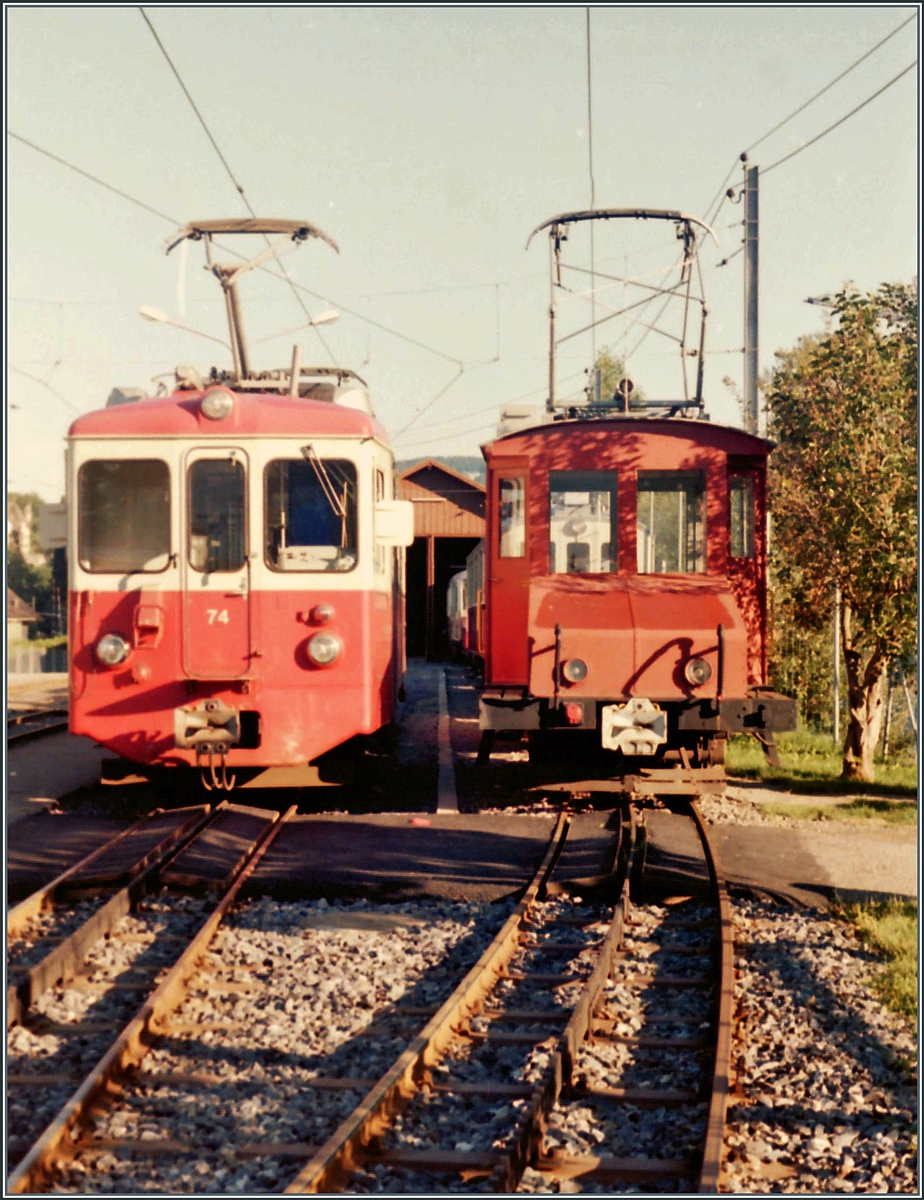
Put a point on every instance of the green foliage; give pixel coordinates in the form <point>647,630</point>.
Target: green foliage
<point>891,928</point>
<point>612,369</point>
<point>891,812</point>
<point>811,763</point>
<point>843,478</point>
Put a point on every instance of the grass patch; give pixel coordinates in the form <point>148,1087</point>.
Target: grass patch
<point>891,928</point>
<point>810,762</point>
<point>892,812</point>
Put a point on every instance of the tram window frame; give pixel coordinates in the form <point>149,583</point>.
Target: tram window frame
<point>224,514</point>
<point>272,530</point>
<point>679,483</point>
<point>594,484</point>
<point>741,517</point>
<point>87,552</point>
<point>511,522</point>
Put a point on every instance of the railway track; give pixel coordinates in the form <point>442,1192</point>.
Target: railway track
<point>37,723</point>
<point>474,1085</point>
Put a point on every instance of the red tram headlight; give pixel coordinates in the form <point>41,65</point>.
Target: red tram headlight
<point>324,649</point>
<point>697,672</point>
<point>111,649</point>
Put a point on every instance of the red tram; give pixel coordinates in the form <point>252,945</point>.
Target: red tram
<point>621,589</point>
<point>236,563</point>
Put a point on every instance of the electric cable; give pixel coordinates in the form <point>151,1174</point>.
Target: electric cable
<point>175,222</point>
<point>47,386</point>
<point>869,99</point>
<point>828,86</point>
<point>802,107</point>
<point>420,412</point>
<point>231,176</point>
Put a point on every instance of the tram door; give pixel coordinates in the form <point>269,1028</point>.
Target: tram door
<point>216,568</point>
<point>507,651</point>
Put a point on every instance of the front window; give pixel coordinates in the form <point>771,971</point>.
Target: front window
<point>741,516</point>
<point>311,514</point>
<point>582,522</point>
<point>216,515</point>
<point>124,515</point>
<point>512,532</point>
<point>671,522</point>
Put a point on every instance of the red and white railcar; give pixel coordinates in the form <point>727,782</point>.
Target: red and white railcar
<point>236,566</point>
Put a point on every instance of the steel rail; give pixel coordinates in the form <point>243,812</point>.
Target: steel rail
<point>34,714</point>
<point>29,735</point>
<point>559,1074</point>
<point>721,1073</point>
<point>27,909</point>
<point>59,1141</point>
<point>349,1146</point>
<point>65,959</point>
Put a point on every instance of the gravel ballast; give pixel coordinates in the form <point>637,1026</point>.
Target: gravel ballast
<point>289,992</point>
<point>826,1077</point>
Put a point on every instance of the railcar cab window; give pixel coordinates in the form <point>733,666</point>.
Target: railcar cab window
<point>216,515</point>
<point>582,522</point>
<point>311,514</point>
<point>512,513</point>
<point>741,516</point>
<point>671,530</point>
<point>124,516</point>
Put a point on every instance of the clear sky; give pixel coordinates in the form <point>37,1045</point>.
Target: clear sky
<point>429,142</point>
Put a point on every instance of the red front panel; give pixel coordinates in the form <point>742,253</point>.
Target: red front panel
<point>635,631</point>
<point>216,628</point>
<point>304,710</point>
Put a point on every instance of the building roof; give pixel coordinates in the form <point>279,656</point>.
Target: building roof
<point>446,503</point>
<point>17,609</point>
<point>435,465</point>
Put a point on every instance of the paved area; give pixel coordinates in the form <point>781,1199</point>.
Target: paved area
<point>25,692</point>
<point>40,771</point>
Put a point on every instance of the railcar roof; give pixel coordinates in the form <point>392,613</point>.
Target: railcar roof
<point>180,415</point>
<point>734,440</point>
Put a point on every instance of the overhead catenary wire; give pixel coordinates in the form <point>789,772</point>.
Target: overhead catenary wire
<point>234,180</point>
<point>175,222</point>
<point>869,99</point>
<point>828,86</point>
<point>45,384</point>
<point>720,194</point>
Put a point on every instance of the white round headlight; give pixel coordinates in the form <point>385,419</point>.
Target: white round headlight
<point>324,649</point>
<point>575,670</point>
<point>217,404</point>
<point>112,650</point>
<point>697,672</point>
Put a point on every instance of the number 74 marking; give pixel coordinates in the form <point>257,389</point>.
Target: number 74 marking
<point>217,615</point>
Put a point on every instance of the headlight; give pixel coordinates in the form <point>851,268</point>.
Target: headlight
<point>697,672</point>
<point>574,670</point>
<point>217,404</point>
<point>324,649</point>
<point>112,650</point>
<point>322,613</point>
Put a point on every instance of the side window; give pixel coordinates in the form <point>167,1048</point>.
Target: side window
<point>671,531</point>
<point>216,515</point>
<point>582,522</point>
<point>741,516</point>
<point>311,521</point>
<point>512,514</point>
<point>123,511</point>
<point>379,485</point>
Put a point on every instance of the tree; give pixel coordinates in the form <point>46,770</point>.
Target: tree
<point>27,570</point>
<point>843,408</point>
<point>612,369</point>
